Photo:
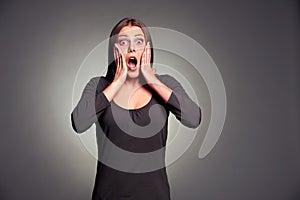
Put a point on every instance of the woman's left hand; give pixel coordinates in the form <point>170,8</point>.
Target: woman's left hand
<point>146,69</point>
<point>149,74</point>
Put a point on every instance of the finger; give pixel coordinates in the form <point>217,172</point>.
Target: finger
<point>116,52</point>
<point>145,56</point>
<point>118,63</point>
<point>149,53</point>
<point>119,60</point>
<point>144,59</point>
<point>122,57</point>
<point>116,56</point>
<point>118,48</point>
<point>123,61</point>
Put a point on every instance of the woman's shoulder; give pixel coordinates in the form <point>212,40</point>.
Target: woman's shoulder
<point>99,79</point>
<point>168,80</point>
<point>99,82</point>
<point>164,77</point>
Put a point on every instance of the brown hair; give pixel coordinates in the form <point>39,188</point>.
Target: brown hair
<point>112,40</point>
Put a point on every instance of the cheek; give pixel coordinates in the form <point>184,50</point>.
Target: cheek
<point>124,49</point>
<point>139,55</point>
<point>140,52</point>
<point>140,48</point>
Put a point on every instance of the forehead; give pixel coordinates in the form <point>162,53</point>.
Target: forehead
<point>131,30</point>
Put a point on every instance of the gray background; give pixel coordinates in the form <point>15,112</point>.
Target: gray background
<point>255,44</point>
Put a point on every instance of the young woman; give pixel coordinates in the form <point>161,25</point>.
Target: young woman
<point>123,104</point>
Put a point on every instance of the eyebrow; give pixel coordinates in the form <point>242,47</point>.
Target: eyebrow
<point>134,35</point>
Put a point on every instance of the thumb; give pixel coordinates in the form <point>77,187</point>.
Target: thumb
<point>153,70</point>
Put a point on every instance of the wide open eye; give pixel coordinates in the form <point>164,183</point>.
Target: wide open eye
<point>139,41</point>
<point>123,42</point>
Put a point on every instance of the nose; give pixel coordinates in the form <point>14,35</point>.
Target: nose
<point>131,47</point>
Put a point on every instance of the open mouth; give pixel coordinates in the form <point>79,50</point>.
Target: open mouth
<point>132,61</point>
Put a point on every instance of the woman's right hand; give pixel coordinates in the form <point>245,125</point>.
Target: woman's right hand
<point>121,70</point>
<point>120,75</point>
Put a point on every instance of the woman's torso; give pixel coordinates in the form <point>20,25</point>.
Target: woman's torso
<point>131,150</point>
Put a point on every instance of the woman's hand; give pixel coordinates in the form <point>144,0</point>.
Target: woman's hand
<point>120,75</point>
<point>149,74</point>
<point>121,70</point>
<point>146,69</point>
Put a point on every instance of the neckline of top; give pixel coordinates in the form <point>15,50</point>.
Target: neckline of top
<point>134,109</point>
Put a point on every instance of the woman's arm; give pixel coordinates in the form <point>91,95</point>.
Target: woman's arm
<point>173,94</point>
<point>97,95</point>
<point>179,103</point>
<point>175,97</point>
<point>90,106</point>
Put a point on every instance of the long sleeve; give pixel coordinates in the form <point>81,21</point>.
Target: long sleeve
<point>90,106</point>
<point>180,104</point>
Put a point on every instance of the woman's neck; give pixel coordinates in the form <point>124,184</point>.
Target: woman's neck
<point>132,83</point>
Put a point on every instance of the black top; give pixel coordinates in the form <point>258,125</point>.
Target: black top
<point>131,141</point>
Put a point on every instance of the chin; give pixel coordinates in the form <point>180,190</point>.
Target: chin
<point>133,74</point>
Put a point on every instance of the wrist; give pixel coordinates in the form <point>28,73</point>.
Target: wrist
<point>161,89</point>
<point>152,80</point>
<point>116,84</point>
<point>111,90</point>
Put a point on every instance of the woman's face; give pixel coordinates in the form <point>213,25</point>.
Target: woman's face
<point>131,41</point>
